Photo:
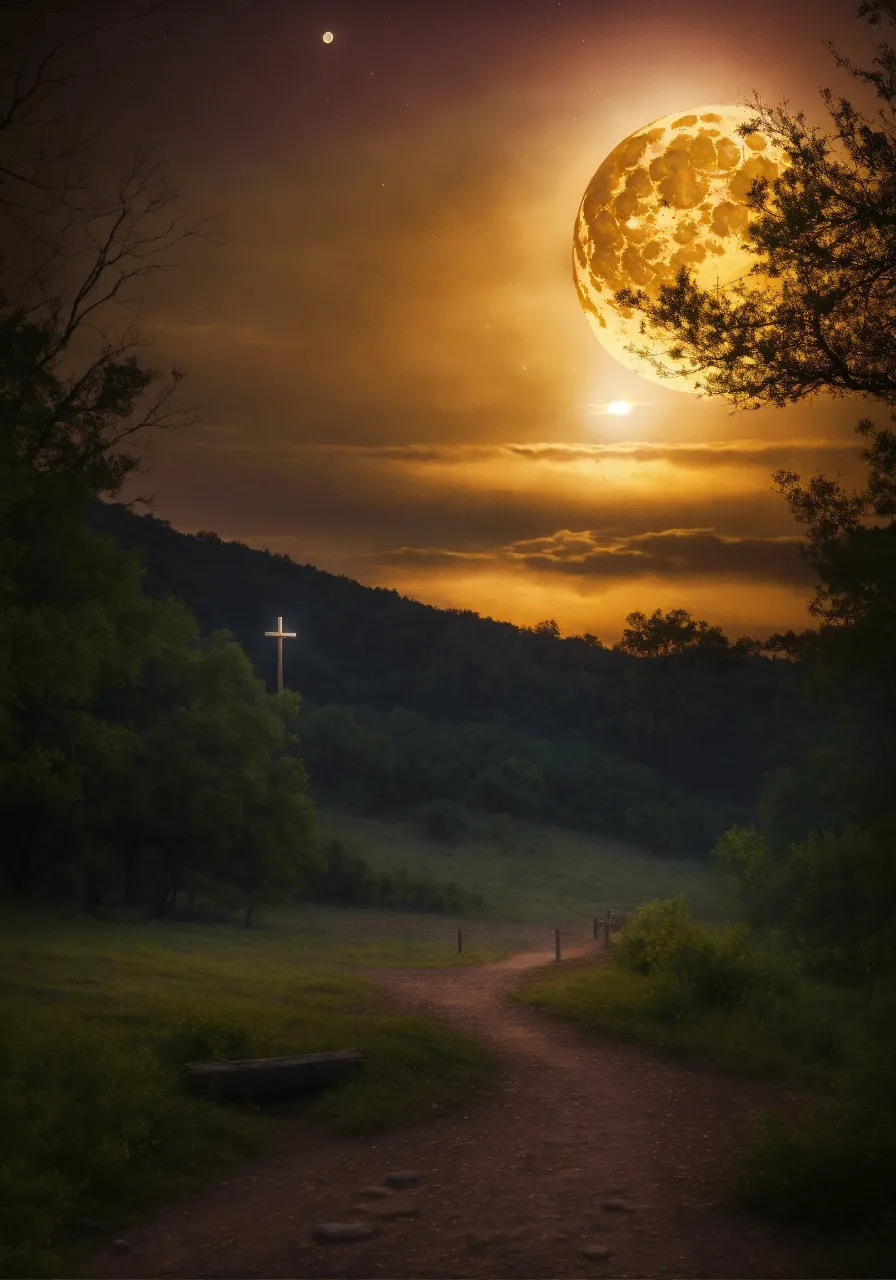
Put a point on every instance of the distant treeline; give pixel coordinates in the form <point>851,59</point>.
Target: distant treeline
<point>390,764</point>
<point>664,751</point>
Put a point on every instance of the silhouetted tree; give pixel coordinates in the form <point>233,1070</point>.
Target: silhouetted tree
<point>816,312</point>
<point>662,634</point>
<point>80,237</point>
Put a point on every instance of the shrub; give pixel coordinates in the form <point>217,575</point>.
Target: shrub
<point>443,819</point>
<point>652,931</point>
<point>346,879</point>
<point>688,964</point>
<point>832,1164</point>
<point>88,1122</point>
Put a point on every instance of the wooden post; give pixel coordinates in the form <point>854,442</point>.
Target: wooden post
<point>460,941</point>
<point>607,934</point>
<point>595,928</point>
<point>556,944</point>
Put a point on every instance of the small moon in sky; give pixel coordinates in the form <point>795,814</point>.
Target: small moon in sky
<point>327,37</point>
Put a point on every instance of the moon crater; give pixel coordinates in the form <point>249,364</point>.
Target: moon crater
<point>671,195</point>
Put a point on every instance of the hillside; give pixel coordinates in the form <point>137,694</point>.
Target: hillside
<point>604,731</point>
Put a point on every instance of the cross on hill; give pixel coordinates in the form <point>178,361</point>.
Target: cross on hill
<point>280,636</point>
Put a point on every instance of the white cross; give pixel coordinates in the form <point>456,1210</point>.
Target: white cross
<point>280,636</point>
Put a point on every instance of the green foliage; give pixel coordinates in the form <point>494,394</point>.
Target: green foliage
<point>781,1027</point>
<point>688,964</point>
<point>443,820</point>
<point>831,1163</point>
<point>830,894</point>
<point>91,1124</point>
<point>346,879</point>
<point>532,872</point>
<point>99,1019</point>
<point>130,751</point>
<point>831,1167</point>
<point>384,765</point>
<point>834,782</point>
<point>404,703</point>
<point>509,785</point>
<point>744,856</point>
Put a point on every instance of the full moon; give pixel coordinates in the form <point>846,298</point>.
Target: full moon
<point>327,37</point>
<point>672,194</point>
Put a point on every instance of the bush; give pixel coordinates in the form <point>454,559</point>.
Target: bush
<point>688,964</point>
<point>831,1167</point>
<point>88,1122</point>
<point>651,931</point>
<point>443,819</point>
<point>346,879</point>
<point>830,894</point>
<point>343,878</point>
<point>832,1164</point>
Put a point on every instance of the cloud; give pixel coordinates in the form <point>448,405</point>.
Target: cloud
<point>597,554</point>
<point>767,454</point>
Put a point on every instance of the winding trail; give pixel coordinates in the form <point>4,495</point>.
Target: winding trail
<point>513,1185</point>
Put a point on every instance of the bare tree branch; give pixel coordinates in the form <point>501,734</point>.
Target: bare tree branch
<point>83,247</point>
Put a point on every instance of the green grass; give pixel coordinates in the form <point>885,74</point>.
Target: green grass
<point>731,1000</point>
<point>97,1018</point>
<point>804,1038</point>
<point>532,873</point>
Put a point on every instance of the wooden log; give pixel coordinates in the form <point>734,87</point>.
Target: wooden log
<point>260,1079</point>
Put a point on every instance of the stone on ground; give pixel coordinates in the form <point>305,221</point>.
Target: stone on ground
<point>403,1178</point>
<point>595,1251</point>
<point>373,1193</point>
<point>617,1206</point>
<point>385,1211</point>
<point>340,1232</point>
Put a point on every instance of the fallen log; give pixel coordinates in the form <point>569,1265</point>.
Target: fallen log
<point>260,1079</point>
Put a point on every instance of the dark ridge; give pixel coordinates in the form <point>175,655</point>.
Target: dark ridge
<point>709,725</point>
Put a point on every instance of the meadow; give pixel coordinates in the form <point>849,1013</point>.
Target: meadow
<point>98,1015</point>
<point>530,872</point>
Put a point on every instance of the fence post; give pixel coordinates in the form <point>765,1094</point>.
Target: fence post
<point>556,944</point>
<point>460,941</point>
<point>607,934</point>
<point>595,928</point>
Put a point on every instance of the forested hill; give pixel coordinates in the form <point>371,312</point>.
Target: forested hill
<point>706,723</point>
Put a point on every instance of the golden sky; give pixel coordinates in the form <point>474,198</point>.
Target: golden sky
<point>396,379</point>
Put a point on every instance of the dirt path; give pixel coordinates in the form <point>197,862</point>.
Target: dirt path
<point>513,1186</point>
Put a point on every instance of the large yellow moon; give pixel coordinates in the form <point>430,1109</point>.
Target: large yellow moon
<point>673,194</point>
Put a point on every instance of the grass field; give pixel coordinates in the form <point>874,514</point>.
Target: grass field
<point>804,1038</point>
<point>98,1015</point>
<point>97,1018</point>
<point>528,872</point>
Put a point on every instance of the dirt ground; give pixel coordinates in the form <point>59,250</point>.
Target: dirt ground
<point>516,1185</point>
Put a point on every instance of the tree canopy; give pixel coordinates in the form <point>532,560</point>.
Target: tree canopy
<point>135,754</point>
<point>816,312</point>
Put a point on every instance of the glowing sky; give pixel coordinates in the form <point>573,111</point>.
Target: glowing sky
<point>397,380</point>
